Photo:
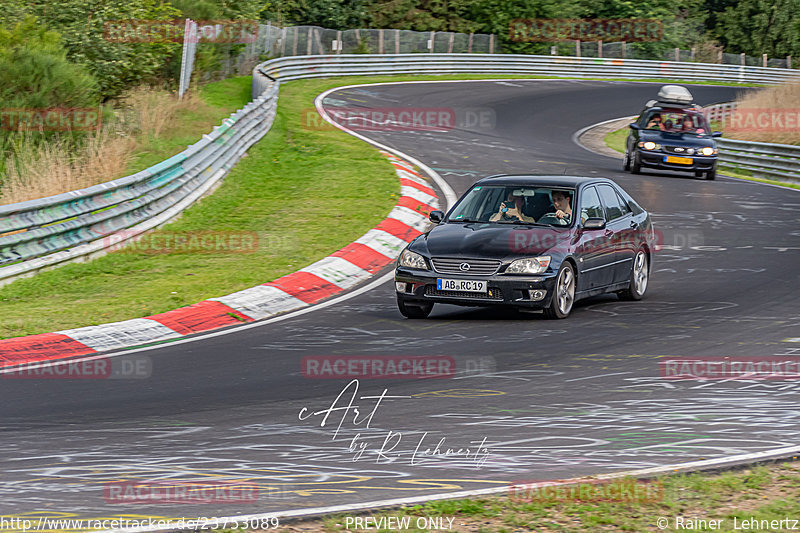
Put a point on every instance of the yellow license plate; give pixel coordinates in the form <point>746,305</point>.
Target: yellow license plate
<point>679,160</point>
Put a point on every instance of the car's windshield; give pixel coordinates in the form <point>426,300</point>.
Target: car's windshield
<point>508,204</point>
<point>676,121</point>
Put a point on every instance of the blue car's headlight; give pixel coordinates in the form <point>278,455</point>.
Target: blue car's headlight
<point>411,259</point>
<point>529,265</point>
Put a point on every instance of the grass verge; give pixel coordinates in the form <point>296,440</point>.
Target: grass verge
<point>144,127</point>
<point>761,493</point>
<point>616,141</point>
<point>303,192</point>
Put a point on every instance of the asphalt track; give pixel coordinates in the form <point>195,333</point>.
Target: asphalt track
<point>552,399</point>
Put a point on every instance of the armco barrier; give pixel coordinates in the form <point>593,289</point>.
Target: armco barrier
<point>298,67</point>
<point>764,160</point>
<point>42,233</point>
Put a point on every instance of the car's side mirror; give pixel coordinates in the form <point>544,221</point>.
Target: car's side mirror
<point>594,223</point>
<point>436,216</point>
<point>716,134</point>
<point>634,126</point>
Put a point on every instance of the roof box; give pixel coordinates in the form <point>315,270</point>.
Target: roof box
<point>675,94</point>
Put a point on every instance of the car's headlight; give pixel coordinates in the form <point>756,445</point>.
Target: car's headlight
<point>649,145</point>
<point>529,265</point>
<point>411,259</point>
<point>708,151</point>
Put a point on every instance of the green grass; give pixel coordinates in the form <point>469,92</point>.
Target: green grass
<point>219,100</point>
<point>764,492</point>
<point>616,141</point>
<point>304,193</point>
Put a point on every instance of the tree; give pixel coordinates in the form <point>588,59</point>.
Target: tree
<point>762,27</point>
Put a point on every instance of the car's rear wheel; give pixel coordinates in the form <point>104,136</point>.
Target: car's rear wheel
<point>563,293</point>
<point>413,309</point>
<point>636,165</point>
<point>711,174</point>
<point>626,162</point>
<point>640,276</point>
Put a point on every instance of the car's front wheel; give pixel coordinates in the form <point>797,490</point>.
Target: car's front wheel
<point>640,275</point>
<point>414,309</point>
<point>711,174</point>
<point>564,293</point>
<point>626,161</point>
<point>636,165</point>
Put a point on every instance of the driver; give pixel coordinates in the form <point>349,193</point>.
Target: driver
<point>510,210</point>
<point>561,203</point>
<point>655,123</point>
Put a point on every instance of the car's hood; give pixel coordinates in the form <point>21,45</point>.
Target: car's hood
<point>495,241</point>
<point>675,139</point>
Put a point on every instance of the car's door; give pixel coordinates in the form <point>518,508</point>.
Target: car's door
<point>594,248</point>
<point>621,230</point>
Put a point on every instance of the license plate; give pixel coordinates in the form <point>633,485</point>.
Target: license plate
<point>461,285</point>
<point>679,160</point>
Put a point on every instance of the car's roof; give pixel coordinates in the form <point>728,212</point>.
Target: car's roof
<point>675,109</point>
<point>548,180</point>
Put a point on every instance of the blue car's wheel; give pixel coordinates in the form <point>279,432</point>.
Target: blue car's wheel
<point>564,293</point>
<point>636,165</point>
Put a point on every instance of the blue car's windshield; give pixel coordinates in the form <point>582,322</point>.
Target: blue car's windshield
<point>677,121</point>
<point>506,204</point>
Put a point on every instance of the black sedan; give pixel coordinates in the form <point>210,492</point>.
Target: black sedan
<point>672,139</point>
<point>515,240</point>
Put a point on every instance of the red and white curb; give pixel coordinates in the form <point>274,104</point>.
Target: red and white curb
<point>336,273</point>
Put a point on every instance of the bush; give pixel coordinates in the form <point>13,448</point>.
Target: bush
<point>37,75</point>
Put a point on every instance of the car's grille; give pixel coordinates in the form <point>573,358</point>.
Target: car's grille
<point>491,294</point>
<point>477,267</point>
<point>683,150</point>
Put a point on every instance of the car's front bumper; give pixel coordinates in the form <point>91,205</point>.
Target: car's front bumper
<point>656,160</point>
<point>534,291</point>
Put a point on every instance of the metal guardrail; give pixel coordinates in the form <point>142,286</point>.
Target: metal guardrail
<point>40,233</point>
<point>292,68</point>
<point>763,160</point>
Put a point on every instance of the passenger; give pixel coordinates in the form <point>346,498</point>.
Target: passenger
<point>511,210</point>
<point>688,125</point>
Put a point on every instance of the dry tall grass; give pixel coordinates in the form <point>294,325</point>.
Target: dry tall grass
<point>44,169</point>
<point>784,97</point>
